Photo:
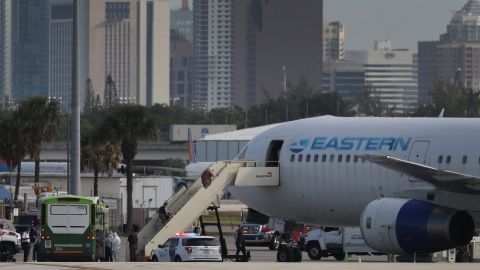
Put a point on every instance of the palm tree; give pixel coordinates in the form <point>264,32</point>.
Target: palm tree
<point>12,143</point>
<point>129,123</point>
<point>97,152</point>
<point>41,118</point>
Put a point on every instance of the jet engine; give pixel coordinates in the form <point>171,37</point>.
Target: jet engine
<point>406,226</point>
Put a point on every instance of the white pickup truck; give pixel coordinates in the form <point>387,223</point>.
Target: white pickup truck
<point>336,242</point>
<point>10,241</point>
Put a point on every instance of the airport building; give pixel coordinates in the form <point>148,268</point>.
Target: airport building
<point>455,55</point>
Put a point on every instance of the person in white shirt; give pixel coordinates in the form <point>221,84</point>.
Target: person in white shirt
<point>26,244</point>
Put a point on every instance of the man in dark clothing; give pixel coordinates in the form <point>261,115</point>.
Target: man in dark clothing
<point>33,238</point>
<point>132,244</point>
<point>163,212</point>
<point>239,243</point>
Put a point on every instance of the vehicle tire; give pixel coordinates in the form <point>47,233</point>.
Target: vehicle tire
<point>154,259</point>
<point>297,255</point>
<point>178,259</point>
<point>275,243</point>
<point>314,251</point>
<point>7,251</point>
<point>283,255</point>
<point>339,256</point>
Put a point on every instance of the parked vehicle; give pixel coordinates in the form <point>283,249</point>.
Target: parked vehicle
<point>336,242</point>
<point>188,247</point>
<point>261,230</point>
<point>10,241</point>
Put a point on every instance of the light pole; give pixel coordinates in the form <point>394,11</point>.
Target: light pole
<point>285,90</point>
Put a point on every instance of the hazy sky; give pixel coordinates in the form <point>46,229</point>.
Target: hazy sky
<point>403,21</point>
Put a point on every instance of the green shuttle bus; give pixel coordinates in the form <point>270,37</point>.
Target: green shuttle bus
<point>72,228</point>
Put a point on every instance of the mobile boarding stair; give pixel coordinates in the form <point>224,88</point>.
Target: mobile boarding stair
<point>187,204</point>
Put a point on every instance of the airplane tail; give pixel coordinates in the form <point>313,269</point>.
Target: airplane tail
<point>192,156</point>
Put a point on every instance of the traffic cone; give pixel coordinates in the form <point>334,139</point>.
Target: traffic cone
<point>345,259</point>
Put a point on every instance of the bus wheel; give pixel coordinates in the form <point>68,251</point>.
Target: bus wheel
<point>178,259</point>
<point>154,259</point>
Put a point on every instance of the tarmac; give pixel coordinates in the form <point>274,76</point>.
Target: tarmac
<point>240,266</point>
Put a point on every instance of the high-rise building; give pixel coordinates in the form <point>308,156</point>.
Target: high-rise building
<point>333,41</point>
<point>5,48</point>
<point>390,75</point>
<point>455,55</point>
<point>181,51</point>
<point>129,41</point>
<point>30,48</point>
<point>213,55</point>
<point>273,41</point>
<point>60,52</point>
<point>345,78</point>
<point>243,49</point>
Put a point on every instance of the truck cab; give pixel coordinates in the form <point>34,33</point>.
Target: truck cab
<point>261,230</point>
<point>336,242</point>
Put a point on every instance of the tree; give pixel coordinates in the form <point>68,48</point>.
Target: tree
<point>98,151</point>
<point>458,101</point>
<point>110,94</point>
<point>40,117</point>
<point>12,143</point>
<point>129,123</point>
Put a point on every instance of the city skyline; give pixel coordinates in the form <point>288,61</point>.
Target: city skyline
<point>426,20</point>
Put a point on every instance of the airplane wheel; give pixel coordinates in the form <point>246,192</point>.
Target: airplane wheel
<point>313,251</point>
<point>154,259</point>
<point>283,255</point>
<point>178,259</point>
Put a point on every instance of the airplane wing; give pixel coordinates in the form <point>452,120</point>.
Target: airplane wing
<point>443,179</point>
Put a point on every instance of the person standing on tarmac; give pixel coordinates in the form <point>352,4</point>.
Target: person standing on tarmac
<point>239,243</point>
<point>132,244</point>
<point>25,244</point>
<point>108,247</point>
<point>116,247</point>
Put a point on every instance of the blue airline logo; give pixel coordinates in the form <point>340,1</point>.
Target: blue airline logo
<point>353,143</point>
<point>299,146</point>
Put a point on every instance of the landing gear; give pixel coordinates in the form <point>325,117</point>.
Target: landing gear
<point>275,243</point>
<point>288,250</point>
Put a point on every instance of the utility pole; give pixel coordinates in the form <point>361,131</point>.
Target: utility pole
<point>75,124</point>
<point>285,91</point>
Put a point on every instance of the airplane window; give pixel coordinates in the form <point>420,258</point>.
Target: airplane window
<point>464,159</point>
<point>307,159</point>
<point>332,157</point>
<point>340,158</point>
<point>369,222</point>
<point>440,159</point>
<point>324,158</point>
<point>315,158</point>
<point>292,158</point>
<point>347,158</point>
<point>355,159</point>
<point>300,157</point>
<point>448,159</point>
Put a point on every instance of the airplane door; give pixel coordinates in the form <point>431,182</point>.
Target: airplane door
<point>418,154</point>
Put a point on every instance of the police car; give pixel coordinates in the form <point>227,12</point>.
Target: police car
<point>188,247</point>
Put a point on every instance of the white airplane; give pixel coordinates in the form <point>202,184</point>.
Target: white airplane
<point>411,184</point>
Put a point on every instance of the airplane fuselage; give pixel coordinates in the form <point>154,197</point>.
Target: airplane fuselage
<point>324,180</point>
